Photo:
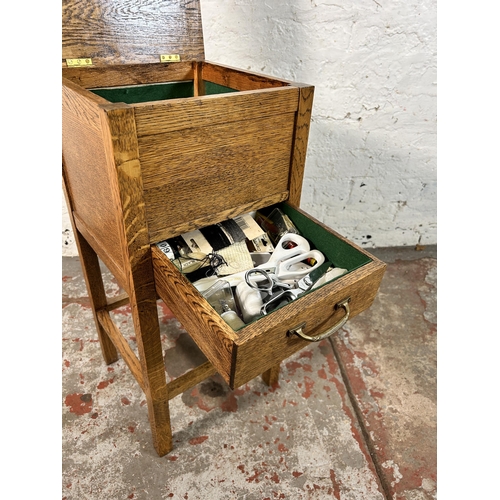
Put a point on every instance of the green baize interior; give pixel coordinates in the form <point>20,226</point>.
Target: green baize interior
<point>157,92</point>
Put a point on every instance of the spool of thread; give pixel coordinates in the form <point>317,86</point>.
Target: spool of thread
<point>250,301</point>
<point>232,319</point>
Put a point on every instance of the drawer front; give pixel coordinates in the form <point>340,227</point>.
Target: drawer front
<point>269,340</point>
<point>212,335</point>
<point>240,356</point>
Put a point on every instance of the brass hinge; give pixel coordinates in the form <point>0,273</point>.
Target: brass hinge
<point>86,61</point>
<point>166,58</point>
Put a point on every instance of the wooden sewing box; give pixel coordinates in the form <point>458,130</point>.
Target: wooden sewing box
<point>157,142</point>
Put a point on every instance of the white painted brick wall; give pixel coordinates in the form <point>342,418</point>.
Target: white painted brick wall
<point>371,162</point>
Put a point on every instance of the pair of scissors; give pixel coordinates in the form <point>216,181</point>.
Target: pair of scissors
<point>279,293</point>
<point>265,283</point>
<point>290,251</point>
<point>284,263</point>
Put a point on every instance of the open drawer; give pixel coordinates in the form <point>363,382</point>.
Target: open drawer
<point>240,356</point>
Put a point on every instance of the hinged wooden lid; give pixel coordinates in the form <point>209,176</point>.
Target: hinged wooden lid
<point>131,31</point>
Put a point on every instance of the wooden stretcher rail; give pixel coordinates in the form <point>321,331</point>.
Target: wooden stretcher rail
<point>122,345</point>
<point>116,302</point>
<point>190,379</point>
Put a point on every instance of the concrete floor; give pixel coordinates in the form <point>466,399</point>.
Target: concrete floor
<point>352,417</point>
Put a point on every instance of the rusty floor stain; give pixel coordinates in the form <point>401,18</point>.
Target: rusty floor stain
<point>351,418</point>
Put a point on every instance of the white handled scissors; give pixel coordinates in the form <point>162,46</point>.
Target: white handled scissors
<point>283,263</point>
<point>285,256</point>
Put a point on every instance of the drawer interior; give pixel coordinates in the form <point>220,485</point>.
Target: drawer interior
<point>341,253</point>
<point>337,250</point>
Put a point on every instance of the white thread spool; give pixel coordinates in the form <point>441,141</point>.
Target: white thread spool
<point>250,301</point>
<point>232,319</point>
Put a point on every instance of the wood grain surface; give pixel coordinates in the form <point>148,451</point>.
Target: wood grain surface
<point>206,111</point>
<point>211,333</point>
<point>190,379</point>
<point>130,74</point>
<point>91,180</point>
<point>100,246</point>
<point>266,342</point>
<point>212,169</point>
<point>271,376</point>
<point>300,139</point>
<point>238,79</point>
<point>122,345</point>
<point>120,140</point>
<point>177,228</point>
<point>131,32</point>
<point>137,174</point>
<point>255,152</point>
<point>118,301</point>
<point>198,82</point>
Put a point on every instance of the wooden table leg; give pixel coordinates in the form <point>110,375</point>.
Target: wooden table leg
<point>97,295</point>
<point>121,138</point>
<point>272,375</point>
<point>147,331</point>
<point>93,279</point>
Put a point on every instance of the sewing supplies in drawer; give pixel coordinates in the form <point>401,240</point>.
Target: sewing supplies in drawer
<point>251,265</point>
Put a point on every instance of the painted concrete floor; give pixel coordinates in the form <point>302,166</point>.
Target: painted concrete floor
<point>352,417</point>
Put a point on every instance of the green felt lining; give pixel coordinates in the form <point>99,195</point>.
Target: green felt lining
<point>157,92</point>
<point>337,251</point>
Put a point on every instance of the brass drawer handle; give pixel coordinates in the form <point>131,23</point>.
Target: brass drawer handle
<point>298,329</point>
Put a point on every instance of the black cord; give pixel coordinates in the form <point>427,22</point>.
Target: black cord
<point>213,259</point>
<point>216,260</point>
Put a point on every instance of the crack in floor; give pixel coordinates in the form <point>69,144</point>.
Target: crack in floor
<point>359,417</point>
